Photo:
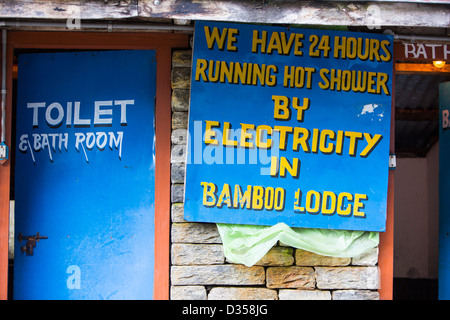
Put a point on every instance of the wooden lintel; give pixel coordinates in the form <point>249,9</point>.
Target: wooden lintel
<point>407,68</point>
<point>417,114</point>
<point>339,13</point>
<point>68,9</point>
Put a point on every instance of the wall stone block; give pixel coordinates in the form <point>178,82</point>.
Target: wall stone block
<point>347,277</point>
<point>188,293</point>
<point>227,274</point>
<point>177,193</point>
<point>181,78</point>
<point>355,295</point>
<point>290,277</point>
<point>197,254</point>
<point>192,232</point>
<point>182,58</point>
<point>180,100</point>
<point>277,256</point>
<point>177,171</point>
<point>369,258</point>
<point>179,120</point>
<point>235,293</point>
<point>306,258</point>
<point>178,153</point>
<point>177,212</point>
<point>292,294</point>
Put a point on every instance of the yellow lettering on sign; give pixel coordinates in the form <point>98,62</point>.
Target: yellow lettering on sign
<point>359,205</point>
<point>210,134</point>
<point>236,72</point>
<point>325,141</point>
<point>260,134</point>
<point>200,69</point>
<point>283,130</point>
<point>240,199</point>
<point>371,143</point>
<point>209,194</point>
<point>226,136</point>
<point>298,77</point>
<point>313,199</point>
<point>282,165</point>
<point>361,48</point>
<point>341,209</point>
<point>330,203</point>
<point>245,136</point>
<point>281,109</point>
<point>225,196</point>
<point>301,136</point>
<point>354,137</point>
<point>356,81</point>
<point>257,198</point>
<point>215,37</point>
<point>277,42</point>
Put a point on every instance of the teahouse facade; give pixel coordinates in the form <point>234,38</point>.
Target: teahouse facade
<point>115,113</point>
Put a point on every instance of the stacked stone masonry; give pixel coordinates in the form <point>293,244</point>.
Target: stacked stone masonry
<point>199,269</point>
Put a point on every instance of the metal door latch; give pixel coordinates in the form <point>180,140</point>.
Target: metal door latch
<point>31,242</point>
<point>392,162</point>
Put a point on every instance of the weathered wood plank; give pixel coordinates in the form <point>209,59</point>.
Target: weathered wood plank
<point>301,12</point>
<point>257,11</point>
<point>65,9</point>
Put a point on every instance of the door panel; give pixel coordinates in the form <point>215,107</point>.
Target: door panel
<point>84,175</point>
<point>444,190</point>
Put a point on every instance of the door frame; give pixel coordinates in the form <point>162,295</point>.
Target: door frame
<point>162,43</point>
<point>386,244</point>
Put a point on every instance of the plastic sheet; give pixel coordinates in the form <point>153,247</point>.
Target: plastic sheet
<point>247,244</point>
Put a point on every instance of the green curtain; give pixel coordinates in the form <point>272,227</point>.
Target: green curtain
<point>247,244</point>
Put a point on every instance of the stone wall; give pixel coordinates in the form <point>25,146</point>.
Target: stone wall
<point>199,270</point>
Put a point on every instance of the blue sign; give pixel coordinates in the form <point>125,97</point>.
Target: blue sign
<point>289,125</point>
<point>84,175</point>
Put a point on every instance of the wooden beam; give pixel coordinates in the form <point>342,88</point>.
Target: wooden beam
<point>417,114</point>
<point>336,13</point>
<point>301,12</point>
<point>407,68</point>
<point>65,9</point>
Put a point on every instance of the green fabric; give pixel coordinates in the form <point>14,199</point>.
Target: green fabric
<point>247,244</point>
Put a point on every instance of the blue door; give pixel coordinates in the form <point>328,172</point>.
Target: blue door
<point>444,191</point>
<point>84,175</point>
